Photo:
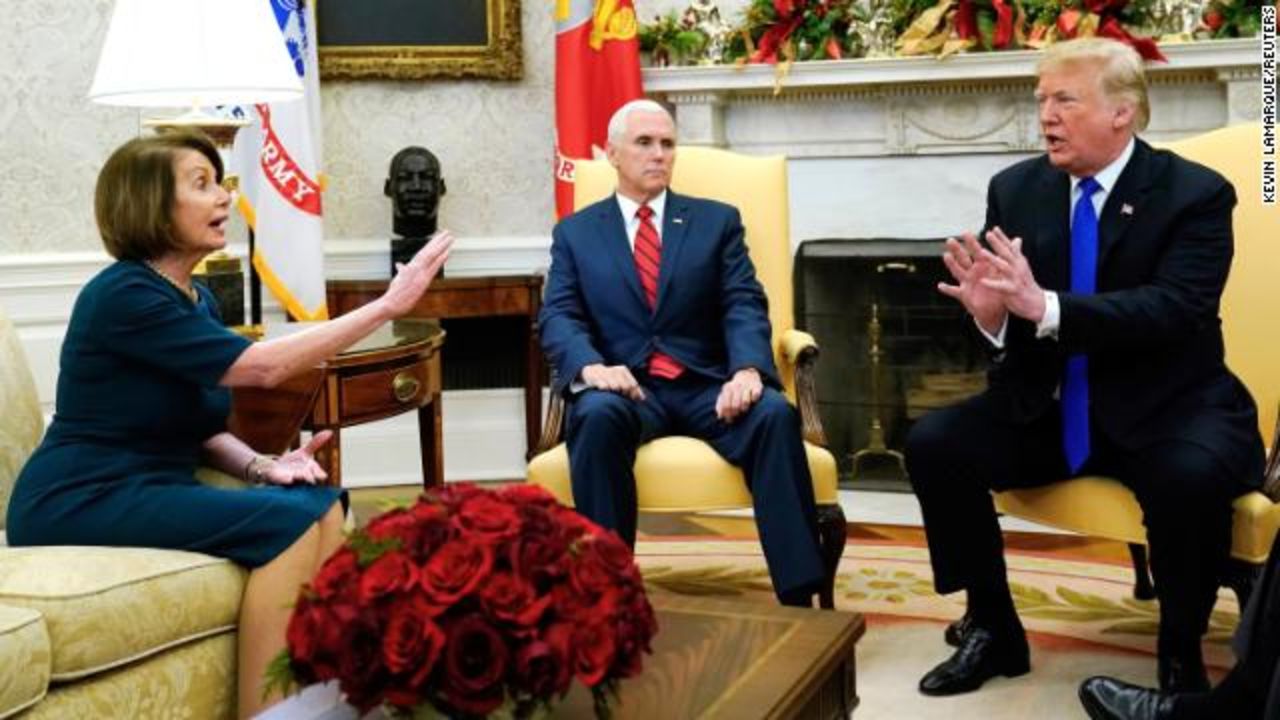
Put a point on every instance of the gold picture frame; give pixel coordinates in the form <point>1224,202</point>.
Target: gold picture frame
<point>499,58</point>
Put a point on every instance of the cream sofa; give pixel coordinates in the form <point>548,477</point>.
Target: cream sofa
<point>92,632</point>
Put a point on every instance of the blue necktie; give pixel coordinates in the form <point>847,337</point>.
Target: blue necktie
<point>1075,380</point>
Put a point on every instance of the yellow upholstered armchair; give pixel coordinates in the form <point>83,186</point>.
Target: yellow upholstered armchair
<point>105,632</point>
<point>1102,507</point>
<point>681,474</point>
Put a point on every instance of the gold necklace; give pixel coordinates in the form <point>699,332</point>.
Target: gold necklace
<point>188,291</point>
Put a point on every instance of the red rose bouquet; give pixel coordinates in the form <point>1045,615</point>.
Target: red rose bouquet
<point>468,602</point>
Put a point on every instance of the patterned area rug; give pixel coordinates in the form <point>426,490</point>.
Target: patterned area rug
<point>1080,615</point>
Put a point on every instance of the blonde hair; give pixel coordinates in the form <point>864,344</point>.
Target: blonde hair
<point>1122,76</point>
<point>133,200</point>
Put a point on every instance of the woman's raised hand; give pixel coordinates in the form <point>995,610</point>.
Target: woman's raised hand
<point>413,278</point>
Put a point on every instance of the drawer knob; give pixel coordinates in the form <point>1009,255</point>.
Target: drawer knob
<point>405,387</point>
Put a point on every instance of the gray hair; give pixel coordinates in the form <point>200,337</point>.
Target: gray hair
<point>618,123</point>
<point>1122,76</point>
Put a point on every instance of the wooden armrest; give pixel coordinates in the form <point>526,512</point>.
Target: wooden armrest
<point>553,428</point>
<point>801,350</point>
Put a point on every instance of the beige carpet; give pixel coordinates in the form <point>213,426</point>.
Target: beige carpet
<point>1080,615</point>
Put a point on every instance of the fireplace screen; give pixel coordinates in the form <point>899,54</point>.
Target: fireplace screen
<point>893,347</point>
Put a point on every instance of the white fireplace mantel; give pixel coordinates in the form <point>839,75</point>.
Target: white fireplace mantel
<point>967,103</point>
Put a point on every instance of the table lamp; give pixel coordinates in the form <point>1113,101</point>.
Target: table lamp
<point>196,54</point>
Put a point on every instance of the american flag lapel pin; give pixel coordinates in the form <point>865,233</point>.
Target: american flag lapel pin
<point>1126,209</point>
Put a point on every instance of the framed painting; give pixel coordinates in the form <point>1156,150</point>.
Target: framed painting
<point>416,39</point>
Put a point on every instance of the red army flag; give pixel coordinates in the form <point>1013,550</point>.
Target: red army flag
<point>597,72</point>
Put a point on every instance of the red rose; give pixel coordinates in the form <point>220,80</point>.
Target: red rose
<point>452,495</point>
<point>411,644</point>
<point>559,637</point>
<point>541,560</point>
<point>455,570</point>
<point>314,639</point>
<point>361,676</point>
<point>338,574</point>
<point>635,626</point>
<point>390,573</point>
<point>526,494</point>
<point>572,525</point>
<point>397,523</point>
<point>488,518</point>
<point>588,572</point>
<point>538,669</point>
<point>593,651</point>
<point>509,599</point>
<point>475,661</point>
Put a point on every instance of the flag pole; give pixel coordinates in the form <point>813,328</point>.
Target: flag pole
<point>255,287</point>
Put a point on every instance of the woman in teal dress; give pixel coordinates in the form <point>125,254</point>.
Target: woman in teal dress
<point>143,396</point>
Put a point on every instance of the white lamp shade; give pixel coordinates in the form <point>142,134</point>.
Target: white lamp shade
<point>176,53</point>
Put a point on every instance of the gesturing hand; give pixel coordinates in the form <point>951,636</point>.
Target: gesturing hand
<point>413,278</point>
<point>298,465</point>
<point>613,378</point>
<point>1012,278</point>
<point>739,394</point>
<point>964,260</point>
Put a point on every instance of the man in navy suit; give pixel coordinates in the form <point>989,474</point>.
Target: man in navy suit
<point>656,325</point>
<point>1098,293</point>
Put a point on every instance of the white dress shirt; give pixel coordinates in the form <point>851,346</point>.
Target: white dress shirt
<point>1106,179</point>
<point>632,222</point>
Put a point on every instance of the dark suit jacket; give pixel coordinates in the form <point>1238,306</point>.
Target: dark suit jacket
<point>712,314</point>
<point>1151,331</point>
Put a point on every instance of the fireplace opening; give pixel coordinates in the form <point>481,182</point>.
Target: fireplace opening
<point>893,347</point>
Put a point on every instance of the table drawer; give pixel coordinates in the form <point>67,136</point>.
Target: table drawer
<point>381,393</point>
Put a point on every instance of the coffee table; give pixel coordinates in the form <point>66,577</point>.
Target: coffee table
<point>716,658</point>
<point>711,659</point>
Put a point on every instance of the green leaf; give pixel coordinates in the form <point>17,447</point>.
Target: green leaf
<point>279,675</point>
<point>986,28</point>
<point>368,549</point>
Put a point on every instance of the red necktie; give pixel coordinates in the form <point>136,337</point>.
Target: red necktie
<point>648,260</point>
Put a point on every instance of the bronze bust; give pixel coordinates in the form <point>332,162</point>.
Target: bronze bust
<point>415,186</point>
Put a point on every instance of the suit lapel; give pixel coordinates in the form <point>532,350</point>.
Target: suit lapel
<point>613,235</point>
<point>675,220</point>
<point>1124,200</point>
<point>1053,237</point>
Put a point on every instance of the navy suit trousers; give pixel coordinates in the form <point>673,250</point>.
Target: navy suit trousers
<point>605,429</point>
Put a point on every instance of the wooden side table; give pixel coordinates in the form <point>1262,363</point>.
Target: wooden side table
<point>394,370</point>
<point>471,297</point>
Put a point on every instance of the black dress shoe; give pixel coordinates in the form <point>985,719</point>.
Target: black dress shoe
<point>956,631</point>
<point>1182,673</point>
<point>1106,698</point>
<point>980,657</point>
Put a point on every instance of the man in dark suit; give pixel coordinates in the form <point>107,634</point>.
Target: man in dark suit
<point>1098,292</point>
<point>656,325</point>
<point>1250,691</point>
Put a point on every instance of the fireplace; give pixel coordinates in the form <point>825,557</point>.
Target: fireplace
<point>893,347</point>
